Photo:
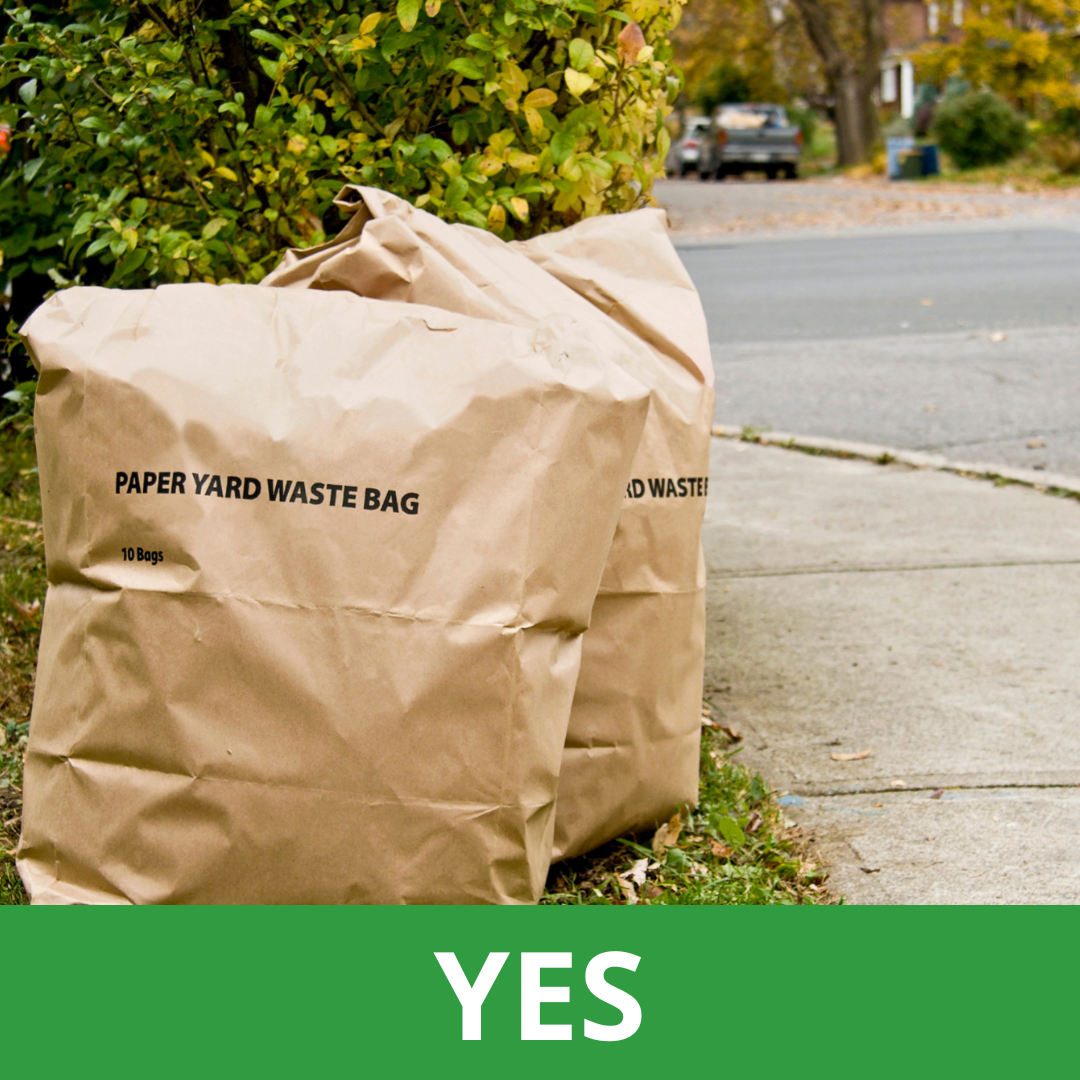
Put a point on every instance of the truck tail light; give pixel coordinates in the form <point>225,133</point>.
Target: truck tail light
<point>691,144</point>
<point>798,138</point>
<point>721,137</point>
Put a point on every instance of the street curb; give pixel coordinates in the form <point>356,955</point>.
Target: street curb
<point>1048,483</point>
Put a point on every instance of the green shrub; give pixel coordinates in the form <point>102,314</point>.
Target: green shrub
<point>979,128</point>
<point>195,139</point>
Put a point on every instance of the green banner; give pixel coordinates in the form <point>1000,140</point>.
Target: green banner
<point>613,991</point>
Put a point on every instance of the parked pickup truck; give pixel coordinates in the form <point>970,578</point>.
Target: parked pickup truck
<point>750,138</point>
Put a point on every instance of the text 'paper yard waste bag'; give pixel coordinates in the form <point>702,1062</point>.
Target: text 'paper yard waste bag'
<point>633,742</point>
<point>319,568</point>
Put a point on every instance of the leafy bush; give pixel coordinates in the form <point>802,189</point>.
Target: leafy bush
<point>726,82</point>
<point>807,121</point>
<point>194,140</point>
<point>979,128</point>
<point>1064,154</point>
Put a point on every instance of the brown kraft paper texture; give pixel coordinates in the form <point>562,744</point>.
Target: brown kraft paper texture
<point>632,747</point>
<point>319,568</point>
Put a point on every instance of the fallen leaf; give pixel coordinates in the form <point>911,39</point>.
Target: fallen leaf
<point>870,869</point>
<point>1035,444</point>
<point>730,830</point>
<point>877,805</point>
<point>755,822</point>
<point>667,836</point>
<point>631,42</point>
<point>937,794</point>
<point>629,892</point>
<point>857,756</point>
<point>653,891</point>
<point>898,783</point>
<point>721,851</point>
<point>637,872</point>
<point>27,611</point>
<point>734,736</point>
<point>997,335</point>
<point>927,303</point>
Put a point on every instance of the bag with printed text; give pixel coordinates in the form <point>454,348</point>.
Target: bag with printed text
<point>631,755</point>
<point>319,570</point>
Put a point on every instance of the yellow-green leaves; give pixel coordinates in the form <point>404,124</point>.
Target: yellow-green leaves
<point>523,162</point>
<point>213,227</point>
<point>463,65</point>
<point>541,99</point>
<point>408,11</point>
<point>513,116</point>
<point>534,120</point>
<point>577,82</point>
<point>581,54</point>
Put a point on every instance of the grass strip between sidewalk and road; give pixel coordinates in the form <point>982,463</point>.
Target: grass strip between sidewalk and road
<point>734,848</point>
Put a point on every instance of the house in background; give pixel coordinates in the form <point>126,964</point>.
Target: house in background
<point>909,23</point>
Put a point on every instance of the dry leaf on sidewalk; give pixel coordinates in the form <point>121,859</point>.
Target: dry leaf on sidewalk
<point>721,851</point>
<point>937,794</point>
<point>1035,444</point>
<point>858,756</point>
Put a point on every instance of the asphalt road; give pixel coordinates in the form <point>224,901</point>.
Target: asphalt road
<point>960,342</point>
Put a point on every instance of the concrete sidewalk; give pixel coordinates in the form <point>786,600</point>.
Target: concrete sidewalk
<point>928,618</point>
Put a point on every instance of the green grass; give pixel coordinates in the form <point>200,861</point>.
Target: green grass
<point>22,584</point>
<point>735,848</point>
<point>819,155</point>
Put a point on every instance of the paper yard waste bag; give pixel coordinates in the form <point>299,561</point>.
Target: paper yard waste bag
<point>633,742</point>
<point>319,568</point>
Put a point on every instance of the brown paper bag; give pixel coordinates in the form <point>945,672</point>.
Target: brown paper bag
<point>319,568</point>
<point>632,749</point>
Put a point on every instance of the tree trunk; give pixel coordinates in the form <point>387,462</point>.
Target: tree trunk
<point>852,79</point>
<point>853,146</point>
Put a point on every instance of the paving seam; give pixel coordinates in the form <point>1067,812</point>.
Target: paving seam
<point>1047,483</point>
<point>946,785</point>
<point>747,575</point>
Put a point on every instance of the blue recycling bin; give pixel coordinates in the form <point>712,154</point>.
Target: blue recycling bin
<point>894,146</point>
<point>930,164</point>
